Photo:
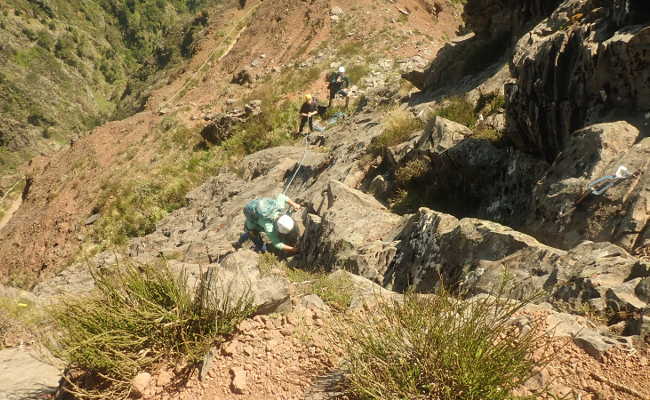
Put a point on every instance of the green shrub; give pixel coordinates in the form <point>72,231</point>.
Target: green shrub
<point>458,109</point>
<point>412,170</point>
<point>138,317</point>
<point>357,72</point>
<point>399,124</point>
<point>437,347</point>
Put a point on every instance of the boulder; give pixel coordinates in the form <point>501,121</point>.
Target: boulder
<point>25,376</point>
<point>441,134</point>
<point>239,275</point>
<point>239,380</point>
<point>243,77</point>
<point>580,329</point>
<point>436,247</point>
<point>353,231</point>
<point>602,275</point>
<point>564,212</point>
<point>221,126</point>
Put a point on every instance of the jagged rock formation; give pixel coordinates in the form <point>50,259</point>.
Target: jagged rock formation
<point>585,63</point>
<point>565,212</point>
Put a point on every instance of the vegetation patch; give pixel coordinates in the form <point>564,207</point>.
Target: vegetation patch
<point>459,109</point>
<point>138,317</point>
<point>336,290</point>
<point>437,347</point>
<point>19,317</point>
<point>399,124</point>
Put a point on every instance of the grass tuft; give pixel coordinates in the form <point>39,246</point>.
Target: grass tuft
<point>437,347</point>
<point>139,316</point>
<point>335,290</point>
<point>399,124</point>
<point>458,109</point>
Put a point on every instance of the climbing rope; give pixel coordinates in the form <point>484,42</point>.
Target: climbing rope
<point>304,155</point>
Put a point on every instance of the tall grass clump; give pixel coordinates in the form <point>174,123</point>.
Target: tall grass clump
<point>459,109</point>
<point>139,316</point>
<point>399,124</point>
<point>437,347</point>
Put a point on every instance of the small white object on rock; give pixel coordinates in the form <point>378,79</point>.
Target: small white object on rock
<point>338,11</point>
<point>141,382</point>
<point>238,384</point>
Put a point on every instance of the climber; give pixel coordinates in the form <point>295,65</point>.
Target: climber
<point>307,111</point>
<point>269,215</point>
<point>338,83</point>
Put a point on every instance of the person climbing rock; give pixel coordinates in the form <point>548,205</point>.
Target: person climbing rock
<point>269,215</point>
<point>242,4</point>
<point>338,84</point>
<point>307,111</point>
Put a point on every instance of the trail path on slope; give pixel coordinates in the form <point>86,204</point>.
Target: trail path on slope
<point>231,45</point>
<point>15,205</point>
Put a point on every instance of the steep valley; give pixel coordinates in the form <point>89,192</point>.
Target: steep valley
<point>495,154</point>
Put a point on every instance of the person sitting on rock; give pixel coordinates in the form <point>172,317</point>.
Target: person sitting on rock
<point>338,84</point>
<point>268,215</point>
<point>307,111</point>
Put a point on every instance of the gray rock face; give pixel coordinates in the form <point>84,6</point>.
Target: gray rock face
<point>505,18</point>
<point>239,275</point>
<point>476,253</point>
<point>460,167</point>
<point>24,376</point>
<point>353,232</point>
<point>564,212</point>
<point>563,73</point>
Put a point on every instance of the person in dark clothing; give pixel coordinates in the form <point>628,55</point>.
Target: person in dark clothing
<point>338,84</point>
<point>307,111</point>
<point>242,4</point>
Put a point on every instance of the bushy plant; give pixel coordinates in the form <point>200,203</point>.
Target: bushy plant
<point>399,124</point>
<point>412,170</point>
<point>458,109</point>
<point>138,317</point>
<point>437,347</point>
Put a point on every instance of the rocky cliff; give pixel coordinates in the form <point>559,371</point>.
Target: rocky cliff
<point>541,202</point>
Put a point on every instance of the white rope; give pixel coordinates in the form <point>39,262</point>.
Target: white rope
<point>304,155</point>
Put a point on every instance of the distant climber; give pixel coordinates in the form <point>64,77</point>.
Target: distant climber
<point>338,84</point>
<point>242,4</point>
<point>269,215</point>
<point>307,111</point>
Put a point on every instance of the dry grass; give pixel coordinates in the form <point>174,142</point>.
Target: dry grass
<point>139,317</point>
<point>399,124</point>
<point>437,347</point>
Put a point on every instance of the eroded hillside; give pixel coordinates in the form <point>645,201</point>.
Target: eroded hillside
<point>135,171</point>
<point>68,67</point>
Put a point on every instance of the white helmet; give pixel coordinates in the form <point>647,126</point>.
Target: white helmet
<point>285,224</point>
<point>342,69</point>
